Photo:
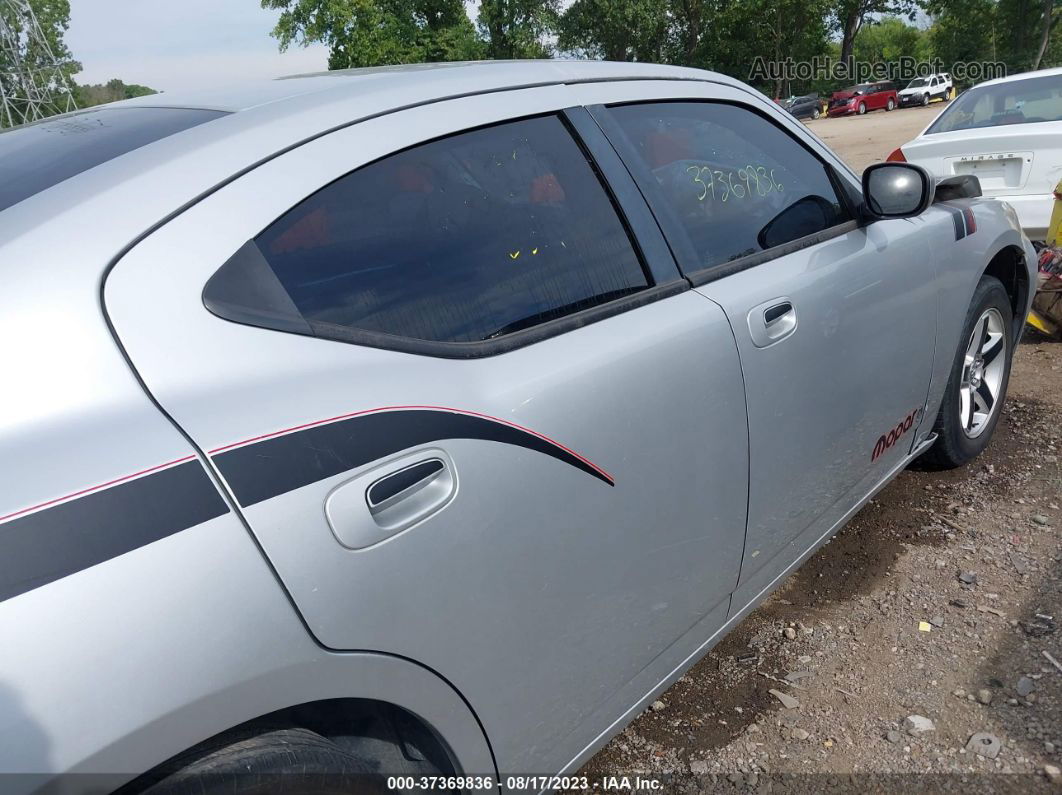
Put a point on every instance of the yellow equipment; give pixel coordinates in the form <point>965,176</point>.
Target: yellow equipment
<point>1046,313</point>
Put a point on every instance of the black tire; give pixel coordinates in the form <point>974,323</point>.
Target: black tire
<point>862,108</point>
<point>815,113</point>
<point>954,447</point>
<point>925,100</point>
<point>889,105</point>
<point>289,761</point>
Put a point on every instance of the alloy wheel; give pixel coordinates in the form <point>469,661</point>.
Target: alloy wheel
<point>982,373</point>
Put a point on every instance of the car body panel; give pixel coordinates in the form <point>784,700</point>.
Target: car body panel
<point>869,334</point>
<point>888,309</point>
<point>111,689</point>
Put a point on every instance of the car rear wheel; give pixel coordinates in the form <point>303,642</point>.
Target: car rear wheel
<point>977,386</point>
<point>889,105</point>
<point>815,113</point>
<point>294,760</point>
<point>862,108</point>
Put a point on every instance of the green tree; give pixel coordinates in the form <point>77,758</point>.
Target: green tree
<point>848,17</point>
<point>46,58</point>
<point>376,32</point>
<point>616,30</point>
<point>962,30</point>
<point>517,28</point>
<point>886,40</point>
<point>111,91</point>
<point>726,35</point>
<point>1025,32</point>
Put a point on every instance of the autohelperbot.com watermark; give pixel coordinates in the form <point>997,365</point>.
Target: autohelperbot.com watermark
<point>901,70</point>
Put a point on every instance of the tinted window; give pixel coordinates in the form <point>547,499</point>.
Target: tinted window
<point>1015,102</point>
<point>37,156</point>
<point>734,182</point>
<point>460,240</point>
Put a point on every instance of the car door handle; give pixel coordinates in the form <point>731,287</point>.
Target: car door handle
<point>776,313</point>
<point>397,486</point>
<point>391,498</point>
<point>772,321</point>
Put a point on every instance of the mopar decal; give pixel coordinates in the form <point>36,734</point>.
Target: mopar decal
<point>887,440</point>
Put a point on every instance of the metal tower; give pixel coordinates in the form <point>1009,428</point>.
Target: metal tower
<point>32,82</point>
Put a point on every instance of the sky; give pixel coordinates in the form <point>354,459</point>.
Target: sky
<point>171,46</point>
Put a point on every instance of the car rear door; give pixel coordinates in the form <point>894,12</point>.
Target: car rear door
<point>834,321</point>
<point>469,418</point>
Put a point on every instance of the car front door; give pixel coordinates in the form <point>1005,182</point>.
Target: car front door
<point>834,321</point>
<point>469,418</point>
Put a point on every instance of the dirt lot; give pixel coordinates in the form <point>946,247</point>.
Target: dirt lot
<point>862,140</point>
<point>882,625</point>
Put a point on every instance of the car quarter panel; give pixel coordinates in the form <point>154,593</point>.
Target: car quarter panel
<point>137,616</point>
<point>133,661</point>
<point>531,557</point>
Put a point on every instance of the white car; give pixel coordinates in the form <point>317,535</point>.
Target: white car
<point>923,89</point>
<point>1007,133</point>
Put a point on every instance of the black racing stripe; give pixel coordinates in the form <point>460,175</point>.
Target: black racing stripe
<point>56,542</point>
<point>957,221</point>
<point>262,470</point>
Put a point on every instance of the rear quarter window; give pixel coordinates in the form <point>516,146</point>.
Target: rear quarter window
<point>466,239</point>
<point>36,156</point>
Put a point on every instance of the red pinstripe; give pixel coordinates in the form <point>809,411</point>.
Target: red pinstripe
<point>303,426</point>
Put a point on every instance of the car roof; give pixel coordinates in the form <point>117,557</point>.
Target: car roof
<point>141,188</point>
<point>449,77</point>
<point>1022,76</point>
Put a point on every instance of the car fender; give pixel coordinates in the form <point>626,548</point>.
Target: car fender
<point>140,658</point>
<point>962,257</point>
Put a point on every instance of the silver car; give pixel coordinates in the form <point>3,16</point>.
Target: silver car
<point>414,422</point>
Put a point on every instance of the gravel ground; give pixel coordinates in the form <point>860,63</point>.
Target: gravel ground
<point>932,609</point>
<point>862,140</point>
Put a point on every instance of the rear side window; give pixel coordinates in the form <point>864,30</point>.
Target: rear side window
<point>726,180</point>
<point>37,156</point>
<point>465,239</point>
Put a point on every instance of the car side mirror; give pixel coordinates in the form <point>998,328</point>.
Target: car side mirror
<point>896,190</point>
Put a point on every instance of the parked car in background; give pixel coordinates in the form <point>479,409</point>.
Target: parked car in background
<point>1007,133</point>
<point>923,90</point>
<point>862,98</point>
<point>806,107</point>
<point>426,420</point>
